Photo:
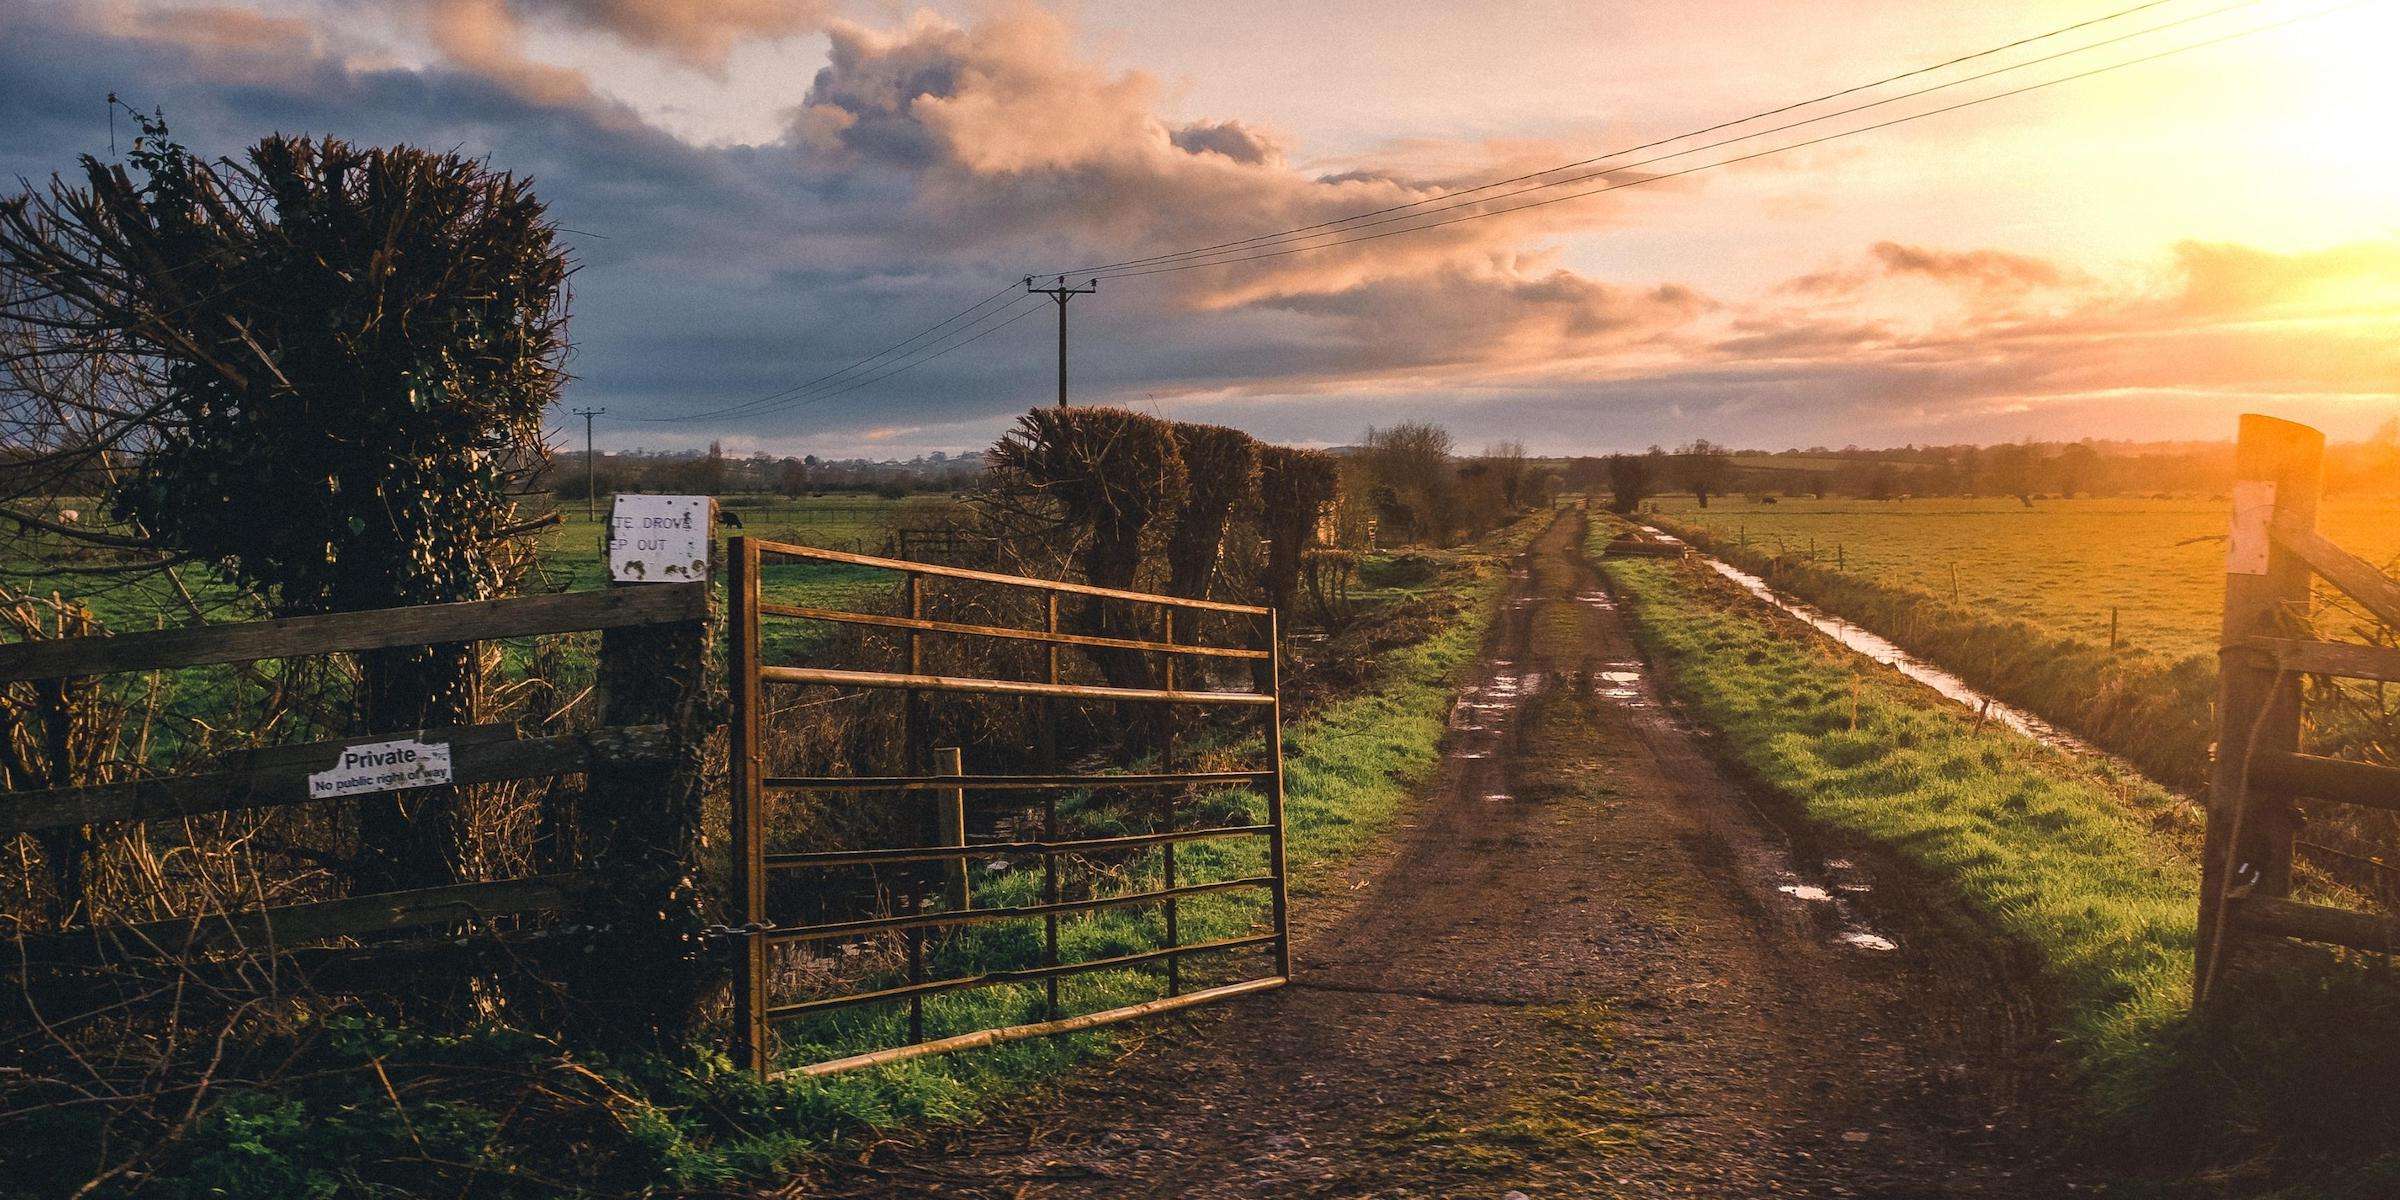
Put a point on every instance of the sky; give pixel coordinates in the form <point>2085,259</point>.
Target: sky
<point>762,193</point>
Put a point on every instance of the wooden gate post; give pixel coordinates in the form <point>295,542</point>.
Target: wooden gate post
<point>644,827</point>
<point>2277,477</point>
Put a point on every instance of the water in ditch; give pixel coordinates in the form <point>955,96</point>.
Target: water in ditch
<point>1881,649</point>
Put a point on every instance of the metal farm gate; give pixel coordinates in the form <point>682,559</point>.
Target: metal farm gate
<point>757,1012</point>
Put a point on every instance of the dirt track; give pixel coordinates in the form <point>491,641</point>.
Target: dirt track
<point>1582,970</point>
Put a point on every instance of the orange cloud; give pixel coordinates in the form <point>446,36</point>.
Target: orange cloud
<point>1010,141</point>
<point>2223,325</point>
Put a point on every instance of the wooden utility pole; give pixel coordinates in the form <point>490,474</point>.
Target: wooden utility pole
<point>1062,293</point>
<point>591,478</point>
<point>2278,472</point>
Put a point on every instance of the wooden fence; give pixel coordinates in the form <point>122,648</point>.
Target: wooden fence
<point>757,1012</point>
<point>642,755</point>
<point>2260,770</point>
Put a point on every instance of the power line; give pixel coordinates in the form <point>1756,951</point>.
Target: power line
<point>1777,111</point>
<point>886,352</point>
<point>1280,239</point>
<point>854,386</point>
<point>1772,150</point>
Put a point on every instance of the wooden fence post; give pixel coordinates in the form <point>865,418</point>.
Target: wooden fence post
<point>950,825</point>
<point>648,976</point>
<point>2277,477</point>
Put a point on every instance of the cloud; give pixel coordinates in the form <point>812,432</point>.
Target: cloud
<point>1232,139</point>
<point>1009,138</point>
<point>1982,268</point>
<point>2220,278</point>
<point>928,162</point>
<point>1987,270</point>
<point>2219,329</point>
<point>699,32</point>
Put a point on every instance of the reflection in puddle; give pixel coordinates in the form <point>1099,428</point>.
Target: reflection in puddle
<point>1823,901</point>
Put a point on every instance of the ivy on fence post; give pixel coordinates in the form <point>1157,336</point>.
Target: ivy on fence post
<point>646,975</point>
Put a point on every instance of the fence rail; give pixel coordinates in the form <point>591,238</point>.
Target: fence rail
<point>334,633</point>
<point>757,1013</point>
<point>279,776</point>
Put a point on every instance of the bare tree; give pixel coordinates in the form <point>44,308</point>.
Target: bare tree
<point>1506,460</point>
<point>1100,479</point>
<point>1630,480</point>
<point>1409,465</point>
<point>1705,467</point>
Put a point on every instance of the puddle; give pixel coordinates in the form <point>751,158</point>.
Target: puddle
<point>1829,902</point>
<point>1826,893</point>
<point>1883,651</point>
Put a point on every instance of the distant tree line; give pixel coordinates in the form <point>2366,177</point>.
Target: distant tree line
<point>712,472</point>
<point>2023,471</point>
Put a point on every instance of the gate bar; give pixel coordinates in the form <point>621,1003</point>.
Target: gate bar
<point>982,916</point>
<point>1018,1033</point>
<point>995,783</point>
<point>908,854</point>
<point>789,550</point>
<point>801,1008</point>
<point>816,676</point>
<point>929,625</point>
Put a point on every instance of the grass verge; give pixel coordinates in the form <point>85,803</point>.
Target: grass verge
<point>2082,871</point>
<point>2152,709</point>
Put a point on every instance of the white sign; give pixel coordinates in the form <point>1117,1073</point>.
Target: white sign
<point>383,767</point>
<point>2253,513</point>
<point>659,539</point>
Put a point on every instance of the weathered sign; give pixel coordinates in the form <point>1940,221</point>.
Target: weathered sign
<point>659,539</point>
<point>2253,512</point>
<point>383,767</point>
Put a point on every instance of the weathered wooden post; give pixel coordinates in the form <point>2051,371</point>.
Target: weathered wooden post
<point>950,825</point>
<point>2277,476</point>
<point>643,812</point>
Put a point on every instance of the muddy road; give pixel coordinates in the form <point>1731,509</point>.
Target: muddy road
<point>1589,964</point>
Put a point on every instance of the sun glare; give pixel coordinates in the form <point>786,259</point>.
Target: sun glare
<point>2336,117</point>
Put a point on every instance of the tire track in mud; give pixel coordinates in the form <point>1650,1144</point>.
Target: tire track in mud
<point>1586,966</point>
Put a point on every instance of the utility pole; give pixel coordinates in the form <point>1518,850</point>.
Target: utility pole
<point>1062,293</point>
<point>591,476</point>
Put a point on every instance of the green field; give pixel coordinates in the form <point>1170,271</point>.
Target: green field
<point>572,559</point>
<point>2060,565</point>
